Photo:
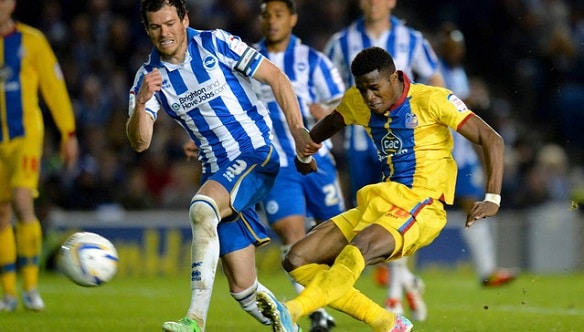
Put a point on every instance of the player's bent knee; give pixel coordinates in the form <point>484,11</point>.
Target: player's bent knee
<point>204,211</point>
<point>293,260</point>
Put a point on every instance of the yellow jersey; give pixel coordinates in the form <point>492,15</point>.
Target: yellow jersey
<point>413,139</point>
<point>27,65</point>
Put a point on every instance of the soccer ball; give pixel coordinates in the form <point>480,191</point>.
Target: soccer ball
<point>88,259</point>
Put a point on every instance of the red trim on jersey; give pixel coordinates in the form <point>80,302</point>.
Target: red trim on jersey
<point>404,95</point>
<point>464,121</point>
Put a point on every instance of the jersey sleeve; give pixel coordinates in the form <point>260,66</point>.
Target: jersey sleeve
<point>353,108</point>
<point>450,109</point>
<point>152,105</point>
<point>53,88</point>
<point>236,53</point>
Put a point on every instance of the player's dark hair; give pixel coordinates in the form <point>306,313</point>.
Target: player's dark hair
<point>147,6</point>
<point>291,4</point>
<point>370,59</point>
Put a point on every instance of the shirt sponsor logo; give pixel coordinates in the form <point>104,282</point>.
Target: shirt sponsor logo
<point>5,73</point>
<point>193,99</point>
<point>391,145</point>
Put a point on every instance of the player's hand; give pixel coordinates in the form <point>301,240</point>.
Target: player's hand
<point>305,146</point>
<point>305,166</point>
<point>481,210</point>
<point>69,151</point>
<point>191,150</point>
<point>151,83</point>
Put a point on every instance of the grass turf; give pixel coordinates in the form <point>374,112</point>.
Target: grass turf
<point>455,301</point>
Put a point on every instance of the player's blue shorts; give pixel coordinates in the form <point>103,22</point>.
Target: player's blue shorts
<point>248,179</point>
<point>317,194</point>
<point>469,181</point>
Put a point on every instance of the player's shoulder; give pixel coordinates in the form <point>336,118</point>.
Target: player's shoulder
<point>30,31</point>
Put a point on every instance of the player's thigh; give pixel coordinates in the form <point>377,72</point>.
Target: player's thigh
<point>321,245</point>
<point>20,165</point>
<point>240,268</point>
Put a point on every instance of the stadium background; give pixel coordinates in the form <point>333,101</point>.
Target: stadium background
<point>528,57</point>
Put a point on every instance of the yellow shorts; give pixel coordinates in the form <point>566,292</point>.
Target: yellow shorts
<point>414,219</point>
<point>20,166</point>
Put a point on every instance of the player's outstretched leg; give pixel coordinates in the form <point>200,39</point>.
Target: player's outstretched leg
<point>414,291</point>
<point>277,313</point>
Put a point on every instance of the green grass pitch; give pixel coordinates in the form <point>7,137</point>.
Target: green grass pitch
<point>455,301</point>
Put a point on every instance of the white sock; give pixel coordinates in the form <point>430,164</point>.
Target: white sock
<point>395,288</point>
<point>480,242</point>
<point>204,215</point>
<point>247,301</point>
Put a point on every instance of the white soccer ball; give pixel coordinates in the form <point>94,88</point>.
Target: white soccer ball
<point>88,259</point>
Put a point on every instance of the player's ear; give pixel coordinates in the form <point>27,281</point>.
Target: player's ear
<point>186,20</point>
<point>293,20</point>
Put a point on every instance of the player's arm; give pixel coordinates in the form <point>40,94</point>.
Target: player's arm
<point>140,125</point>
<point>492,146</point>
<point>327,127</point>
<point>322,130</point>
<point>54,91</point>
<point>284,93</point>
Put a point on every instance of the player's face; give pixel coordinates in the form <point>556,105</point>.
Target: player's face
<point>6,9</point>
<point>377,9</point>
<point>379,90</point>
<point>168,33</point>
<point>277,22</point>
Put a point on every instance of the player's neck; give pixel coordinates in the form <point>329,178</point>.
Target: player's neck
<point>7,27</point>
<point>376,27</point>
<point>278,46</point>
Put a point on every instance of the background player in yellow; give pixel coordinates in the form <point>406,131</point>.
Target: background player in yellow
<point>410,126</point>
<point>27,65</point>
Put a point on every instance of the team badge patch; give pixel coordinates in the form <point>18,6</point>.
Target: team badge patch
<point>210,62</point>
<point>459,104</point>
<point>411,121</point>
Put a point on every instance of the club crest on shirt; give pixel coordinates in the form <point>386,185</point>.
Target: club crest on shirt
<point>459,104</point>
<point>411,120</point>
<point>210,62</point>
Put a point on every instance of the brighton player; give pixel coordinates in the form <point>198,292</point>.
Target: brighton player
<point>27,66</point>
<point>450,46</point>
<point>203,80</point>
<point>318,87</point>
<point>412,54</point>
<point>410,124</point>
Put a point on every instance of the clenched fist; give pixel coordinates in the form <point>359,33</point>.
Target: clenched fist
<point>305,165</point>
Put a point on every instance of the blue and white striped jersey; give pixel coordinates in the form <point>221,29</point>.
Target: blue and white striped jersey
<point>211,96</point>
<point>411,52</point>
<point>315,80</point>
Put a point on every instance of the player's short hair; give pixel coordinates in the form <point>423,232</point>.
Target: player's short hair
<point>291,4</point>
<point>370,59</point>
<point>147,6</point>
